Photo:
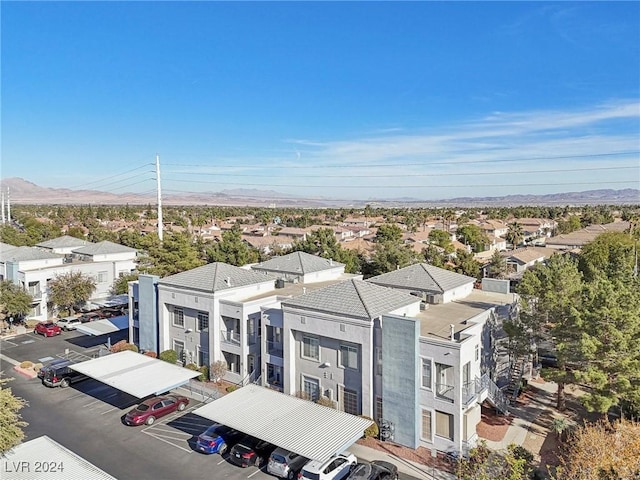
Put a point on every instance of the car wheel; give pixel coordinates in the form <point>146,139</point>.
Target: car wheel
<point>222,449</point>
<point>64,383</point>
<point>181,407</point>
<point>150,420</point>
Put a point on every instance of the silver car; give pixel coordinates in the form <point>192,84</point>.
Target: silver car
<point>68,323</point>
<point>285,464</point>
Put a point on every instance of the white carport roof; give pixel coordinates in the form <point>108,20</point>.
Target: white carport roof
<point>67,464</point>
<point>304,427</point>
<point>135,374</point>
<point>101,327</point>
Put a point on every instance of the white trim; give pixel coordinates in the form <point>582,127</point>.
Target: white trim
<point>311,337</point>
<point>433,427</point>
<point>430,360</point>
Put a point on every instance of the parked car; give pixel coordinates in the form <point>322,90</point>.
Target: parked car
<point>112,312</point>
<point>217,439</point>
<point>336,468</point>
<point>285,464</point>
<point>48,329</point>
<point>250,451</point>
<point>50,365</point>
<point>61,375</point>
<point>153,408</point>
<point>68,323</point>
<point>376,470</point>
<point>91,317</point>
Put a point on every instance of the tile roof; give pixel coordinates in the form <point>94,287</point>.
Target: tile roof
<point>214,277</point>
<point>297,263</point>
<point>103,248</point>
<point>17,254</point>
<point>353,298</point>
<point>65,241</point>
<point>529,254</point>
<point>423,277</point>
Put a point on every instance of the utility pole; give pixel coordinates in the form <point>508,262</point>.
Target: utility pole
<point>160,224</point>
<point>8,207</point>
<point>2,202</point>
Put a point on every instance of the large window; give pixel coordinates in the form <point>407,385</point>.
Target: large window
<point>311,386</point>
<point>178,317</point>
<point>178,346</point>
<point>350,401</point>
<point>203,358</point>
<point>444,425</point>
<point>426,373</point>
<point>311,348</point>
<point>203,321</point>
<point>378,361</point>
<point>349,356</point>
<point>426,432</point>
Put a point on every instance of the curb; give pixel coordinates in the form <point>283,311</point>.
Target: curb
<point>25,372</point>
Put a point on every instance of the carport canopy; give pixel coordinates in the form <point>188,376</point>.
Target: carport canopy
<point>102,327</point>
<point>306,428</point>
<point>136,374</point>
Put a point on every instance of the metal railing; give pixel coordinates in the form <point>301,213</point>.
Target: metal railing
<point>494,394</point>
<point>229,336</point>
<point>275,348</point>
<point>445,391</point>
<point>471,390</point>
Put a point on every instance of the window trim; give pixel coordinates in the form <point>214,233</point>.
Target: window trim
<point>343,392</point>
<point>431,420</point>
<point>452,419</point>
<point>174,312</point>
<point>314,338</point>
<point>341,362</point>
<point>311,378</point>
<point>422,385</point>
<point>198,329</point>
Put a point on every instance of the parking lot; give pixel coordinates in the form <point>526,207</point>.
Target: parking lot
<point>88,417</point>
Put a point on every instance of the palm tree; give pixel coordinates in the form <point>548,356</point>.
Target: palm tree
<point>514,234</point>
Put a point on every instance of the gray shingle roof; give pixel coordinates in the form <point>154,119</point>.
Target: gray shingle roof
<point>103,248</point>
<point>354,298</point>
<point>65,241</point>
<point>17,254</point>
<point>422,277</point>
<point>297,263</point>
<point>214,277</point>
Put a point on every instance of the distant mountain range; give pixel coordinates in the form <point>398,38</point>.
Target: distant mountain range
<point>25,192</point>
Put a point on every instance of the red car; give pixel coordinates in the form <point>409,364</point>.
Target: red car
<point>48,329</point>
<point>154,408</point>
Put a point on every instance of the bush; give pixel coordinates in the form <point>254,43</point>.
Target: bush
<point>218,369</point>
<point>372,430</point>
<point>191,366</point>
<point>151,353</point>
<point>37,367</point>
<point>169,356</point>
<point>326,402</point>
<point>130,346</point>
<point>123,345</point>
<point>231,388</point>
<point>26,364</point>
<point>204,373</point>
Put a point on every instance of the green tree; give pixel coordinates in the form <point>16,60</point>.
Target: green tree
<point>497,265</point>
<point>11,423</point>
<point>550,296</point>
<point>465,264</point>
<point>388,232</point>
<point>514,234</point>
<point>71,290</point>
<point>323,242</point>
<point>474,236</point>
<point>442,239</point>
<point>485,464</point>
<point>177,253</point>
<point>433,256</point>
<point>121,284</point>
<point>232,249</point>
<point>15,302</point>
<point>612,254</point>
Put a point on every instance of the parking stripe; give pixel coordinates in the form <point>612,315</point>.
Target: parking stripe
<point>166,441</point>
<point>258,470</point>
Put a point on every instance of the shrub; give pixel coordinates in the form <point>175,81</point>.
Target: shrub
<point>123,345</point>
<point>169,356</point>
<point>151,353</point>
<point>37,367</point>
<point>218,369</point>
<point>231,388</point>
<point>130,346</point>
<point>204,373</point>
<point>191,366</point>
<point>372,430</point>
<point>26,364</point>
<point>303,395</point>
<point>326,402</point>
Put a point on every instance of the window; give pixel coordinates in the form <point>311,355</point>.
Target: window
<point>102,277</point>
<point>178,317</point>
<point>311,386</point>
<point>444,425</point>
<point>426,373</point>
<point>379,411</point>
<point>477,352</point>
<point>349,356</point>
<point>425,432</point>
<point>203,358</point>
<point>203,321</point>
<point>378,360</point>
<point>350,401</point>
<point>178,346</point>
<point>311,348</point>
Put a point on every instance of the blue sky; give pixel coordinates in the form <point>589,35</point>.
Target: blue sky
<point>358,100</point>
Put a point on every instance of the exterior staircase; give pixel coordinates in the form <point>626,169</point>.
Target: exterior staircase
<point>515,378</point>
<point>494,395</point>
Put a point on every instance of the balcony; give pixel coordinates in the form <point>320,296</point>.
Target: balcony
<point>445,392</point>
<point>229,336</point>
<point>35,293</point>
<point>275,349</point>
<point>471,391</point>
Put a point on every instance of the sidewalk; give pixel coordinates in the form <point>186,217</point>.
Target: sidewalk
<point>416,470</point>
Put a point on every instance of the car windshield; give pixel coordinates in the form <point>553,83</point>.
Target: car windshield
<point>362,471</point>
<point>48,325</point>
<point>242,449</point>
<point>143,407</point>
<point>211,432</point>
<point>278,458</point>
<point>310,476</point>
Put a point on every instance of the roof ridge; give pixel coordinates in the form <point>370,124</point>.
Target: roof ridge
<point>364,304</point>
<point>424,266</point>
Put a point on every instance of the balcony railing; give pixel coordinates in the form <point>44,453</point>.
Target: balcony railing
<point>229,336</point>
<point>445,391</point>
<point>275,348</point>
<point>35,293</point>
<point>471,390</point>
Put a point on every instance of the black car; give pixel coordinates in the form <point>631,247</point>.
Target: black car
<point>250,451</point>
<point>60,375</point>
<point>50,365</point>
<point>376,470</point>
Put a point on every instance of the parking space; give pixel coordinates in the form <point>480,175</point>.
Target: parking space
<point>179,430</point>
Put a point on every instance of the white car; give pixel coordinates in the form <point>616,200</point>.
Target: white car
<point>336,468</point>
<point>68,323</point>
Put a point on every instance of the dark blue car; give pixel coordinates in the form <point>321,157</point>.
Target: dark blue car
<point>217,439</point>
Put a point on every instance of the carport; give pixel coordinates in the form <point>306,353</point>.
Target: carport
<point>102,327</point>
<point>298,425</point>
<point>136,374</point>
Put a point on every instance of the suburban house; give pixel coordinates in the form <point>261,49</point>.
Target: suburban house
<point>581,237</point>
<point>521,259</point>
<point>412,348</point>
<point>34,267</point>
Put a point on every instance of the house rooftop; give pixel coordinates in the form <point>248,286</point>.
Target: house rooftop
<point>214,277</point>
<point>422,277</point>
<point>436,320</point>
<point>297,263</point>
<point>103,248</point>
<point>65,241</point>
<point>292,290</point>
<point>18,254</point>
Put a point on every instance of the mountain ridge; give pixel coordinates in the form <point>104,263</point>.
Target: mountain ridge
<point>25,192</point>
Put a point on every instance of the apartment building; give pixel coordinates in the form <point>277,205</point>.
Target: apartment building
<point>34,267</point>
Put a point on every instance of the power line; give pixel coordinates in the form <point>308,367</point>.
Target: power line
<point>85,184</point>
